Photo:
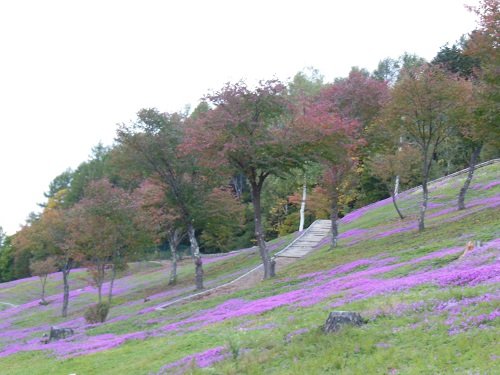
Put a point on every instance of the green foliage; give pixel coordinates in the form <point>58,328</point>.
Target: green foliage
<point>61,182</point>
<point>91,170</point>
<point>223,221</point>
<point>455,60</point>
<point>305,84</point>
<point>6,260</point>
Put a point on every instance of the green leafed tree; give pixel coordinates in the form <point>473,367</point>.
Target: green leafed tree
<point>152,144</point>
<point>426,104</point>
<point>388,167</point>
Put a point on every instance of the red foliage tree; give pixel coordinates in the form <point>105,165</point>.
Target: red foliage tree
<point>249,132</point>
<point>336,137</point>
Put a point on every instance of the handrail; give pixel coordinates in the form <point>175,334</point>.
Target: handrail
<point>208,291</point>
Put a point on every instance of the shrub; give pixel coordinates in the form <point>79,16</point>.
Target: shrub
<point>96,313</point>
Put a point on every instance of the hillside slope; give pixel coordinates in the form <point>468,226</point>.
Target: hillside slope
<point>429,309</point>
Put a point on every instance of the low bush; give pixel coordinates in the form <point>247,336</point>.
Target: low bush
<point>96,313</point>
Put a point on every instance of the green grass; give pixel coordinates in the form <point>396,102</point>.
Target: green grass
<point>417,341</point>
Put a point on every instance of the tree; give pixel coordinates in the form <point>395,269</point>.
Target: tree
<point>358,97</point>
<point>48,236</point>
<point>160,218</point>
<point>91,170</point>
<point>305,84</point>
<point>388,167</point>
<point>426,104</point>
<point>247,132</point>
<point>481,49</point>
<point>152,143</point>
<point>2,236</point>
<point>470,135</point>
<point>42,269</point>
<point>454,60</point>
<point>6,260</point>
<point>336,179</point>
<point>223,220</point>
<point>102,228</point>
<point>387,70</point>
<point>58,185</point>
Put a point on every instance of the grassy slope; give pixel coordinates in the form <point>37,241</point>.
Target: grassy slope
<point>429,310</point>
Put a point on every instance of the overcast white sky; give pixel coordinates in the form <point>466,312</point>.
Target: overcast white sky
<point>71,70</point>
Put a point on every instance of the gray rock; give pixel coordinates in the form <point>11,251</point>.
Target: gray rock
<point>337,319</point>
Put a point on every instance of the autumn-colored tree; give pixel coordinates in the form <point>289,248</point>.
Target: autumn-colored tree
<point>426,104</point>
<point>152,144</point>
<point>388,167</point>
<point>102,228</point>
<point>160,218</point>
<point>248,132</point>
<point>358,97</point>
<point>483,45</point>
<point>48,236</point>
<point>335,129</point>
<point>318,202</point>
<point>482,49</point>
<point>42,269</point>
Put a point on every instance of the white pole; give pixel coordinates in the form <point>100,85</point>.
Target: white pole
<point>303,207</point>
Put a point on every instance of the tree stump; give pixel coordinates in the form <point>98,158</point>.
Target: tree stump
<point>337,319</point>
<point>272,273</point>
<point>57,334</point>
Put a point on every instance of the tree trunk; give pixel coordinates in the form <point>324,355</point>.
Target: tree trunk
<point>303,207</point>
<point>174,239</point>
<point>396,186</point>
<point>65,273</point>
<point>425,194</point>
<point>470,174</point>
<point>173,272</point>
<point>334,216</point>
<point>111,283</point>
<point>43,280</point>
<point>195,251</point>
<point>259,232</point>
<point>393,196</point>
<point>99,280</point>
<point>99,293</point>
<point>198,272</point>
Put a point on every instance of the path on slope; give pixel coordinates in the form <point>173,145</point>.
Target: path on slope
<point>301,246</point>
<point>8,304</point>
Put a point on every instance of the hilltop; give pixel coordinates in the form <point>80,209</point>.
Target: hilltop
<point>429,308</point>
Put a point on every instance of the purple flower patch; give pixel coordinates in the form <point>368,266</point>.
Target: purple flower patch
<point>202,359</point>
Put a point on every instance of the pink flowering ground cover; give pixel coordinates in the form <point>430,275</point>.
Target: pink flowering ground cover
<point>354,285</point>
<point>372,276</point>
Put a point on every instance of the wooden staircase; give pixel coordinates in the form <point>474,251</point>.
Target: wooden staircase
<point>308,241</point>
